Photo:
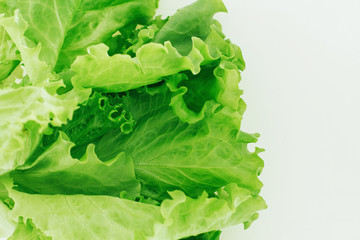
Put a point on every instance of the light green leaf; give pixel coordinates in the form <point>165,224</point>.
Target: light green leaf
<point>9,59</point>
<point>56,172</point>
<point>45,23</point>
<point>120,72</point>
<point>53,33</point>
<point>104,217</point>
<point>7,68</point>
<point>152,62</point>
<point>37,69</point>
<point>191,21</point>
<point>27,230</point>
<point>95,117</point>
<point>185,216</point>
<point>196,20</point>
<point>164,113</point>
<point>85,217</point>
<point>191,92</point>
<point>96,21</point>
<point>7,225</point>
<point>16,78</point>
<point>25,113</point>
<point>229,51</point>
<point>170,154</point>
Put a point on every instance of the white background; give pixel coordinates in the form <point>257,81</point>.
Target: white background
<point>302,87</point>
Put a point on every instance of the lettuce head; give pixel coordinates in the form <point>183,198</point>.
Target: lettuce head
<point>119,124</point>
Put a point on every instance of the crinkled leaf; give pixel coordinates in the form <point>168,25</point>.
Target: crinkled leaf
<point>95,117</point>
<point>165,111</point>
<point>85,217</point>
<point>97,21</point>
<point>146,34</point>
<point>170,154</point>
<point>191,21</point>
<point>9,58</point>
<point>25,113</point>
<point>56,172</point>
<point>120,72</point>
<point>3,192</point>
<point>7,225</point>
<point>7,68</point>
<point>27,230</point>
<point>184,216</point>
<point>53,33</point>
<point>191,92</point>
<point>152,62</point>
<point>38,70</point>
<point>109,217</point>
<point>16,78</point>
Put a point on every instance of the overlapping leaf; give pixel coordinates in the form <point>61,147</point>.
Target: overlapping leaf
<point>56,172</point>
<point>53,33</point>
<point>7,225</point>
<point>24,115</point>
<point>118,124</point>
<point>103,217</point>
<point>191,21</point>
<point>171,154</point>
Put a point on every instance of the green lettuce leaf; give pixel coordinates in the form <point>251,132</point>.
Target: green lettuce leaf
<point>145,34</point>
<point>9,58</point>
<point>3,192</point>
<point>87,217</point>
<point>27,230</point>
<point>170,154</point>
<point>153,61</point>
<point>98,21</point>
<point>7,68</point>
<point>196,20</point>
<point>118,124</point>
<point>39,71</point>
<point>191,21</point>
<point>7,225</point>
<point>191,92</point>
<point>120,72</point>
<point>56,172</point>
<point>184,216</point>
<point>109,217</point>
<point>26,113</point>
<point>100,114</point>
<point>53,33</point>
<point>15,78</point>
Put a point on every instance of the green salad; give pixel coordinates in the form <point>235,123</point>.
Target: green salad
<point>119,124</point>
